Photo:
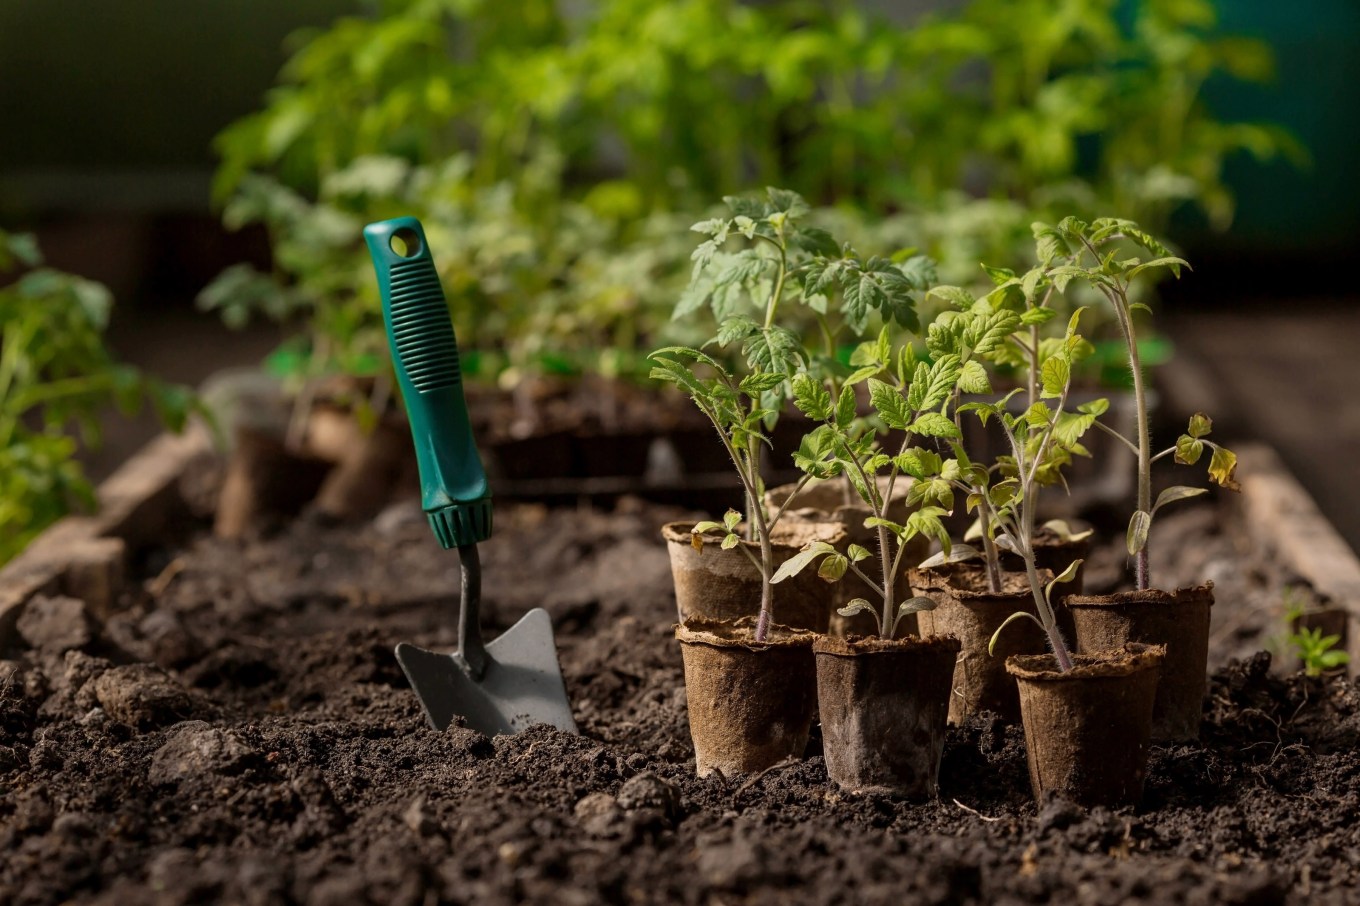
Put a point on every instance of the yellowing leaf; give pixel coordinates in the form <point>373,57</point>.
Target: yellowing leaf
<point>1222,469</point>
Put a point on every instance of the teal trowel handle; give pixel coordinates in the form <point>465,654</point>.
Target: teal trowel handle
<point>454,490</point>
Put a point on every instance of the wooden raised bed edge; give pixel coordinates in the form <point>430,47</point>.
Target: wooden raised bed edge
<point>87,557</point>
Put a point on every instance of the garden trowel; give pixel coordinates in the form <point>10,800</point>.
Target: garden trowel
<point>514,681</point>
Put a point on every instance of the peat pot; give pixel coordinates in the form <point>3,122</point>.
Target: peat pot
<point>717,584</point>
<point>1087,731</point>
<point>1179,621</point>
<point>750,703</point>
<point>827,502</point>
<point>883,707</point>
<point>968,611</point>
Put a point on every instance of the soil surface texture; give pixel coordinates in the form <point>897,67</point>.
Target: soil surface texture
<point>242,733</point>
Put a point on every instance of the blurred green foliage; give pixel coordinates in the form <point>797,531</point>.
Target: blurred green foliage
<point>54,372</point>
<point>546,153</point>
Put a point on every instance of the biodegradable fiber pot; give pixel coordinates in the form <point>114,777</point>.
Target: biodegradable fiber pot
<point>969,612</point>
<point>1087,730</point>
<point>750,703</point>
<point>1179,621</point>
<point>827,502</point>
<point>718,584</point>
<point>883,706</point>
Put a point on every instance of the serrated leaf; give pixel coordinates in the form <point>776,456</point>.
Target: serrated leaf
<point>736,329</point>
<point>1223,469</point>
<point>774,349</point>
<point>918,463</point>
<point>1056,374</point>
<point>1188,450</point>
<point>811,397</point>
<point>889,404</point>
<point>1171,495</point>
<point>973,378</point>
<point>1200,425</point>
<point>846,407</point>
<point>954,295</point>
<point>761,382</point>
<point>1137,535</point>
<point>999,275</point>
<point>933,424</point>
<point>943,376</point>
<point>1033,316</point>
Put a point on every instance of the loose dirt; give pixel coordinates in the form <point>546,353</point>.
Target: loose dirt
<point>241,733</point>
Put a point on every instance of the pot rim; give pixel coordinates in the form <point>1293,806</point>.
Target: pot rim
<point>1133,658</point>
<point>939,580</point>
<point>1185,594</point>
<point>863,646</point>
<point>740,633</point>
<point>679,533</point>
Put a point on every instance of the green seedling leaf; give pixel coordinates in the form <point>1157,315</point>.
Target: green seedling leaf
<point>1019,614</point>
<point>1138,531</point>
<point>1188,450</point>
<point>957,553</point>
<point>1223,469</point>
<point>1180,492</point>
<point>933,424</point>
<point>761,382</point>
<point>973,378</point>
<point>1066,575</point>
<point>730,541</point>
<point>1034,316</point>
<point>857,606</point>
<point>889,404</point>
<point>918,463</point>
<point>731,519</point>
<point>846,407</point>
<point>799,561</point>
<point>811,397</point>
<point>702,527</point>
<point>857,553</point>
<point>914,605</point>
<point>1200,425</point>
<point>1063,530</point>
<point>1056,373</point>
<point>954,295</point>
<point>833,568</point>
<point>1097,407</point>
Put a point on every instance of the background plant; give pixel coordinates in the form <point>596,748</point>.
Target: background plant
<point>579,129</point>
<point>55,374</point>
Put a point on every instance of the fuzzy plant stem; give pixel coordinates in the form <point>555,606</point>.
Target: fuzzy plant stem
<point>1144,435</point>
<point>1055,639</point>
<point>991,556</point>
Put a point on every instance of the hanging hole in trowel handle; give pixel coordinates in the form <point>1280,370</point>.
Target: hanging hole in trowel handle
<point>405,242</point>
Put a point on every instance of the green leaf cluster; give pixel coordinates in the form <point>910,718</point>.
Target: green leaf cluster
<point>57,376</point>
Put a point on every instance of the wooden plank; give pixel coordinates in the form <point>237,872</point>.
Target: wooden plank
<point>1285,524</point>
<point>86,556</point>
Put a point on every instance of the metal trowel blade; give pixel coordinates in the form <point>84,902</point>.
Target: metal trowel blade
<point>522,685</point>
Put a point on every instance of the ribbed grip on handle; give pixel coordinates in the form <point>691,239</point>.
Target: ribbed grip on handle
<point>422,334</point>
<point>454,489</point>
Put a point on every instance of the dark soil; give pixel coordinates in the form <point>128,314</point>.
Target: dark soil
<point>242,733</point>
